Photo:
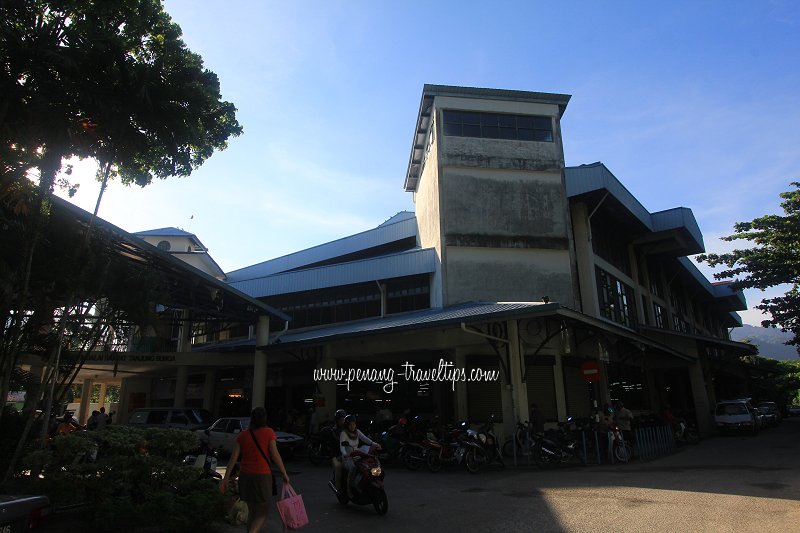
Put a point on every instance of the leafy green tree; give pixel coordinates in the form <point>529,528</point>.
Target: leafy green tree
<point>773,260</point>
<point>110,80</point>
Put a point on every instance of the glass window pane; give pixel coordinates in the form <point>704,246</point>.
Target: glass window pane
<point>542,123</point>
<point>508,133</point>
<point>452,129</point>
<point>525,122</point>
<point>488,119</point>
<point>452,116</point>
<point>491,132</point>
<point>471,118</point>
<point>472,131</point>
<point>525,135</point>
<point>542,136</point>
<point>509,121</point>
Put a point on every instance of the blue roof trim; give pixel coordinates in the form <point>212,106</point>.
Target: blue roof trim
<point>400,226</point>
<point>165,232</point>
<point>594,177</point>
<point>679,217</point>
<point>722,290</point>
<point>419,261</point>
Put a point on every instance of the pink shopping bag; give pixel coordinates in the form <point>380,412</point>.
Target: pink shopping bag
<point>291,508</point>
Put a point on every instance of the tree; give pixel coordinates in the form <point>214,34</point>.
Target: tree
<point>773,260</point>
<point>112,81</point>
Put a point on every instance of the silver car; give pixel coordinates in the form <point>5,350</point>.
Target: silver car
<point>221,435</point>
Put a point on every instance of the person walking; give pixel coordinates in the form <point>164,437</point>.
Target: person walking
<point>256,445</point>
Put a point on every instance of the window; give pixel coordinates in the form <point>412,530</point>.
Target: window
<point>164,245</point>
<point>607,244</point>
<point>615,299</point>
<point>658,314</point>
<point>498,126</point>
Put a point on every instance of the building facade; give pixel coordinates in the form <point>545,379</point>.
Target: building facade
<point>514,268</point>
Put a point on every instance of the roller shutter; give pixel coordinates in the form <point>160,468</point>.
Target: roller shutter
<point>542,390</point>
<point>484,399</point>
<point>579,393</point>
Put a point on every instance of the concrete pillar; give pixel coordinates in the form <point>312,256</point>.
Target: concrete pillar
<point>181,380</point>
<point>209,386</point>
<point>461,402</point>
<point>519,395</point>
<point>561,395</point>
<point>122,409</point>
<point>184,342</point>
<point>585,256</point>
<point>260,363</point>
<point>86,399</point>
<point>702,407</point>
<point>327,387</point>
<point>102,397</point>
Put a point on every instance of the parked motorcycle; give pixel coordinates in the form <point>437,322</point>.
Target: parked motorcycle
<point>491,445</point>
<point>322,445</point>
<point>685,433</point>
<point>559,446</point>
<point>456,446</point>
<point>368,486</point>
<point>206,460</point>
<point>619,446</point>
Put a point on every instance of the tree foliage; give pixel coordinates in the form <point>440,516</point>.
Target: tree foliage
<point>773,260</point>
<point>109,80</point>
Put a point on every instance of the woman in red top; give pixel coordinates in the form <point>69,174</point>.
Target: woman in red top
<point>255,478</point>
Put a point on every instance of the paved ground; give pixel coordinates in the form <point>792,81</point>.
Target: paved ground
<point>723,484</point>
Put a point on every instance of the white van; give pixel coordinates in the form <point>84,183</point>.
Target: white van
<point>736,415</point>
<point>170,417</point>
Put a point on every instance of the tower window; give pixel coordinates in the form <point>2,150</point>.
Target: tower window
<point>164,245</point>
<point>498,126</point>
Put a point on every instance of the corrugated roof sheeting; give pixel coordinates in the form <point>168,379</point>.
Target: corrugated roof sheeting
<point>716,291</point>
<point>678,217</point>
<point>421,261</point>
<point>401,226</point>
<point>165,232</point>
<point>594,177</point>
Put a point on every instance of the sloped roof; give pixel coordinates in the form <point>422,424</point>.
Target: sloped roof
<point>401,226</point>
<point>164,232</point>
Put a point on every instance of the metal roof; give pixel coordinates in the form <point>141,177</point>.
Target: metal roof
<point>401,226</point>
<point>715,290</point>
<point>165,232</point>
<point>408,263</point>
<point>187,287</point>
<point>585,179</point>
<point>429,92</point>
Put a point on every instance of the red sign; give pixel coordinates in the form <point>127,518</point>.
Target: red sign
<point>590,371</point>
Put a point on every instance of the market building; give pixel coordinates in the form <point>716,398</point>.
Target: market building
<point>516,280</point>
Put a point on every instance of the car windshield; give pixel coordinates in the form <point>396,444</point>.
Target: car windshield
<point>731,409</point>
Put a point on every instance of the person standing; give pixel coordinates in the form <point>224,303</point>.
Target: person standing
<point>257,445</point>
<point>102,419</point>
<point>624,418</point>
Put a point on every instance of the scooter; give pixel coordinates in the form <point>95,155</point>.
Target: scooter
<point>368,486</point>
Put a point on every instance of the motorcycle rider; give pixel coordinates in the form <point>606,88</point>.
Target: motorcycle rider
<point>350,439</point>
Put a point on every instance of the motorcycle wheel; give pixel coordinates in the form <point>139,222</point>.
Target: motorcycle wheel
<point>380,502</point>
<point>622,453</point>
<point>692,437</point>
<point>472,461</point>
<point>410,460</point>
<point>540,458</point>
<point>508,449</point>
<point>314,455</point>
<point>434,462</point>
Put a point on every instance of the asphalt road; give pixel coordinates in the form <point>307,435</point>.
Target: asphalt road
<point>730,483</point>
<point>724,484</point>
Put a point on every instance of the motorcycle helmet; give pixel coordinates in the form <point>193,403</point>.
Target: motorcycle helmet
<point>340,413</point>
<point>402,421</point>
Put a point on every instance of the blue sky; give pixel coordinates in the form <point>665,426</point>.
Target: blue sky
<point>689,103</point>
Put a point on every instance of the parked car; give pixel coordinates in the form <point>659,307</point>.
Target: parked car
<point>222,435</point>
<point>737,415</point>
<point>793,410</point>
<point>190,418</point>
<point>771,412</point>
<point>22,513</point>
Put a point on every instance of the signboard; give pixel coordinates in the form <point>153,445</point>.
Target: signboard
<point>590,370</point>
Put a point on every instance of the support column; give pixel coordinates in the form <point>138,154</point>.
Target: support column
<point>86,399</point>
<point>561,396</point>
<point>101,400</point>
<point>519,390</point>
<point>181,381</point>
<point>260,363</point>
<point>462,405</point>
<point>700,396</point>
<point>122,409</point>
<point>209,387</point>
<point>326,388</point>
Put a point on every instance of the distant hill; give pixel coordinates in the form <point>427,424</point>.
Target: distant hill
<point>770,341</point>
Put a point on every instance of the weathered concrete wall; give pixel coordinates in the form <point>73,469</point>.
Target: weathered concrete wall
<point>522,209</point>
<point>428,214</point>
<point>508,275</point>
